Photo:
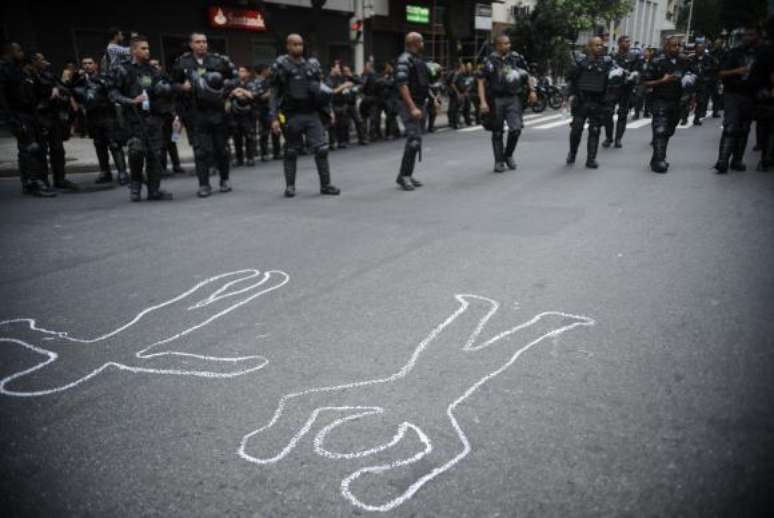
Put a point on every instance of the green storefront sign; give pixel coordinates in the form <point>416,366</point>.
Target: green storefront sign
<point>417,14</point>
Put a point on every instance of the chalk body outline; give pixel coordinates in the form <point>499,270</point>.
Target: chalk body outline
<point>360,411</point>
<point>233,285</point>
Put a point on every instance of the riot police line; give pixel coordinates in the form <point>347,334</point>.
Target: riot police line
<point>135,111</point>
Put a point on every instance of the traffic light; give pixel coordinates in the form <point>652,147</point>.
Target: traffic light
<point>355,30</point>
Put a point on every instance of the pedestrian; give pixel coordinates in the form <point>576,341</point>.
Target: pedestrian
<point>668,75</point>
<point>631,62</point>
<point>503,82</point>
<point>203,81</point>
<point>588,83</point>
<point>413,80</point>
<point>92,90</point>
<point>18,102</point>
<point>298,97</point>
<point>704,66</point>
<point>738,101</point>
<point>243,107</point>
<point>262,87</point>
<point>142,90</point>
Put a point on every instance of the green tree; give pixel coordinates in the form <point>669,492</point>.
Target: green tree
<point>545,36</point>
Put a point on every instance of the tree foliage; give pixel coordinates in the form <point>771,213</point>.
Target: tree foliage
<point>546,34</point>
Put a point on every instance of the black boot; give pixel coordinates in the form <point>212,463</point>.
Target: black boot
<point>658,160</point>
<point>135,191</point>
<point>510,147</point>
<point>575,139</point>
<point>120,161</point>
<point>155,193</point>
<point>104,177</point>
<point>737,162</point>
<point>289,165</point>
<point>592,146</point>
<point>724,153</point>
<point>324,171</point>
<point>497,148</point>
<point>619,132</point>
<point>407,168</point>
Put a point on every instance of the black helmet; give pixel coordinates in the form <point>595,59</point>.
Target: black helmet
<point>240,105</point>
<point>209,88</point>
<point>163,88</point>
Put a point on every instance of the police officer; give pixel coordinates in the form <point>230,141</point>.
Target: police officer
<point>262,85</point>
<point>243,104</point>
<point>738,101</point>
<point>369,105</point>
<point>391,102</point>
<point>455,96</point>
<point>503,81</point>
<point>668,75</point>
<point>413,80</point>
<point>170,130</point>
<point>298,96</point>
<point>92,90</point>
<point>704,66</point>
<point>204,80</point>
<point>588,82</point>
<point>352,96</point>
<point>339,130</point>
<point>141,90</point>
<point>436,91</point>
<point>716,90</point>
<point>464,84</point>
<point>53,115</point>
<point>17,108</point>
<point>623,97</point>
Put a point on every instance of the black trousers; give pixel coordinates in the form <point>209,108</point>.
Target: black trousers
<point>145,147</point>
<point>210,143</point>
<point>245,142</point>
<point>30,147</point>
<point>169,149</point>
<point>54,135</point>
<point>593,110</point>
<point>618,115</point>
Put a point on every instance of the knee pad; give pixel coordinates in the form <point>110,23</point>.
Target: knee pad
<point>135,146</point>
<point>514,133</point>
<point>33,149</point>
<point>594,130</point>
<point>321,152</point>
<point>497,134</point>
<point>414,143</point>
<point>200,154</point>
<point>291,153</point>
<point>576,125</point>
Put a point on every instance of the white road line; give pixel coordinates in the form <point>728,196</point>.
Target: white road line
<point>471,128</point>
<point>555,124</point>
<point>638,123</point>
<point>540,120</point>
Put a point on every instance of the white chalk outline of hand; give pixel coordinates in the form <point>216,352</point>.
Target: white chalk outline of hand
<point>404,427</point>
<point>250,292</point>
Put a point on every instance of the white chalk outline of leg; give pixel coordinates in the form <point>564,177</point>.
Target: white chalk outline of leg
<point>404,427</point>
<point>144,353</point>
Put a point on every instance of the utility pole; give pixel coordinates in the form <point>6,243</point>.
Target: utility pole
<point>359,36</point>
<point>690,19</point>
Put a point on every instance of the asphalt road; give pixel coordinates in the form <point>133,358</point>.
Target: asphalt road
<point>552,341</point>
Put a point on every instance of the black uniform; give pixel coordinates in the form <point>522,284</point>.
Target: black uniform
<point>369,105</point>
<point>436,93</point>
<point>622,96</point>
<point>93,93</point>
<point>203,112</point>
<point>390,104</point>
<point>338,134</point>
<point>738,109</point>
<point>143,123</point>
<point>352,110</point>
<point>53,116</point>
<point>299,96</point>
<point>245,120</point>
<point>17,107</point>
<point>506,81</point>
<point>588,81</point>
<point>665,105</point>
<point>763,78</point>
<point>716,85</point>
<point>262,89</point>
<point>705,67</point>
<point>465,84</point>
<point>411,71</point>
